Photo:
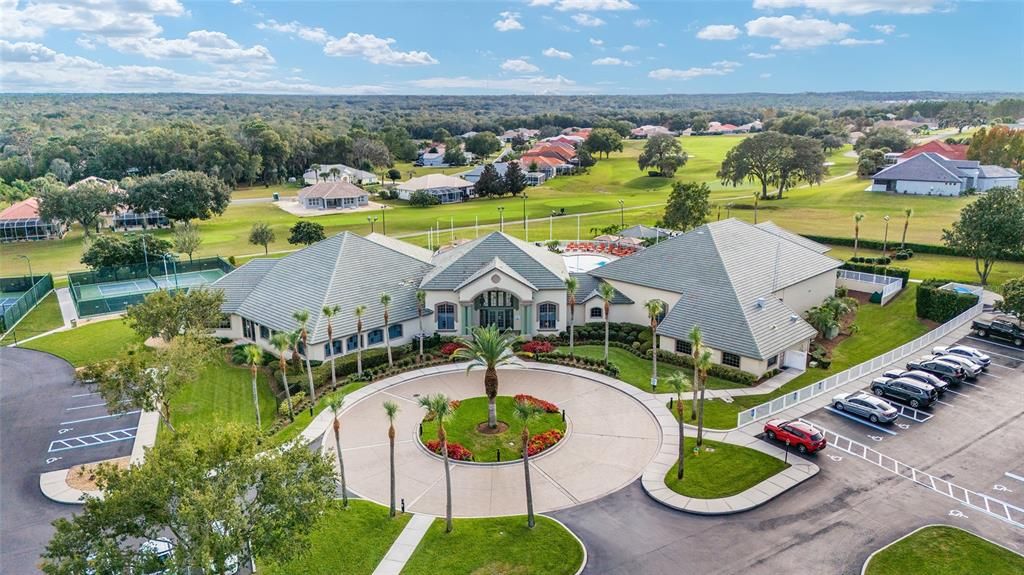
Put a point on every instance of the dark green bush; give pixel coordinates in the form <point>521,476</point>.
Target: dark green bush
<point>941,305</point>
<point>917,248</point>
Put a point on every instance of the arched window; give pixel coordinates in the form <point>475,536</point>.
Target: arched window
<point>547,314</point>
<point>445,313</point>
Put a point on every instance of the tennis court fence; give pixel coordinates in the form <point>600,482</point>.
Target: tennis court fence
<point>112,290</point>
<point>34,289</point>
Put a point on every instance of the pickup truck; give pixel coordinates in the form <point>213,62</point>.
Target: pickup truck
<point>1000,328</point>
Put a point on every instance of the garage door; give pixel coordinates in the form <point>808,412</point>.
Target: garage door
<point>794,358</point>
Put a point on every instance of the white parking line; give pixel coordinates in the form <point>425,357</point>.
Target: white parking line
<point>1006,367</point>
<point>990,342</point>
<point>99,417</point>
<point>92,440</point>
<point>85,406</point>
<point>974,385</point>
<point>86,394</point>
<point>957,392</point>
<point>943,402</point>
<point>1014,476</point>
<point>861,421</point>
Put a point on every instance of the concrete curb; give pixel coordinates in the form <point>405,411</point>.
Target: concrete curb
<point>864,568</point>
<point>583,564</point>
<point>518,461</point>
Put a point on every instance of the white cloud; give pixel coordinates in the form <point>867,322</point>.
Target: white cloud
<point>594,5</point>
<point>721,68</point>
<point>611,62</point>
<point>204,45</point>
<point>542,2</point>
<point>596,42</point>
<point>662,44</point>
<point>719,32</point>
<point>376,50</point>
<point>884,28</point>
<point>766,75</point>
<point>629,48</point>
<point>526,85</point>
<point>760,55</point>
<point>798,33</point>
<point>25,52</point>
<point>509,21</point>
<point>103,17</point>
<point>857,7</point>
<point>643,22</point>
<point>309,33</point>
<point>236,2</point>
<point>519,65</point>
<point>587,20</point>
<point>556,53</point>
<point>859,42</point>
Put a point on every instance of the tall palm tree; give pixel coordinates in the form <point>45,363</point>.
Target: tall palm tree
<point>421,304</point>
<point>607,292</point>
<point>329,312</point>
<point>488,348</point>
<point>359,311</point>
<point>524,411</point>
<point>696,344</point>
<point>654,307</point>
<point>385,300</point>
<point>703,365</point>
<point>906,224</point>
<point>294,339</point>
<point>571,285</point>
<point>334,172</point>
<point>254,357</point>
<point>439,406</point>
<point>335,405</point>
<point>302,316</point>
<point>677,383</point>
<point>391,410</point>
<point>856,231</point>
<point>282,343</point>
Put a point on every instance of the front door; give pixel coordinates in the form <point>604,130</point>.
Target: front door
<point>502,318</point>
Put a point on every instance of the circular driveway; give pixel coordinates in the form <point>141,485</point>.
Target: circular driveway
<point>612,438</point>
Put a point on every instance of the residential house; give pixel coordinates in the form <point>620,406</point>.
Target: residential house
<point>932,174</point>
<point>522,133</point>
<point>123,218</point>
<point>336,195</point>
<point>473,175</point>
<point>20,221</point>
<point>948,151</point>
<point>432,159</point>
<point>338,173</point>
<point>448,189</point>
<point>647,131</point>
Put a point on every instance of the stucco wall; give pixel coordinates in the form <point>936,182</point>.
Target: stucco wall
<point>636,313</point>
<point>927,188</point>
<point>804,295</point>
<point>985,184</point>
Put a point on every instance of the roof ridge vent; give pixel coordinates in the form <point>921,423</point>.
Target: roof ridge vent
<point>760,303</point>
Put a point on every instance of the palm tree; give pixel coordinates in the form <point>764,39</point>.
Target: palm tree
<point>703,364</point>
<point>294,339</point>
<point>856,231</point>
<point>315,168</point>
<point>282,343</point>
<point>655,307</point>
<point>302,316</point>
<point>385,300</point>
<point>677,383</point>
<point>324,175</point>
<point>906,224</point>
<point>335,405</point>
<point>334,172</point>
<point>391,410</point>
<point>696,343</point>
<point>571,285</point>
<point>607,292</point>
<point>421,303</point>
<point>329,312</point>
<point>359,311</point>
<point>254,357</point>
<point>489,349</point>
<point>524,412</point>
<point>439,406</point>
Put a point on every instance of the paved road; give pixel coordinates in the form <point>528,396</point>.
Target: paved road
<point>37,401</point>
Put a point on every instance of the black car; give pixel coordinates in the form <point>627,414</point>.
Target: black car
<point>948,372</point>
<point>922,376</point>
<point>909,391</point>
<point>1001,328</point>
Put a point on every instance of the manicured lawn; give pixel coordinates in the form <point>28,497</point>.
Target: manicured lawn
<point>500,545</point>
<point>43,318</point>
<point>88,343</point>
<point>637,371</point>
<point>351,541</point>
<point>721,470</point>
<point>284,190</point>
<point>461,429</point>
<point>926,266</point>
<point>943,550</point>
<point>303,418</point>
<point>223,393</point>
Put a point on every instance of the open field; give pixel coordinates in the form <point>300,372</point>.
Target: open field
<point>927,266</point>
<point>825,209</point>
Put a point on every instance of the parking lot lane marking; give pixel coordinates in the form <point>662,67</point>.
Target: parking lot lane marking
<point>860,420</point>
<point>912,414</point>
<point>957,393</point>
<point>993,364</point>
<point>990,342</point>
<point>86,394</point>
<point>943,402</point>
<point>95,439</point>
<point>975,384</point>
<point>85,406</point>
<point>100,417</point>
<point>1014,476</point>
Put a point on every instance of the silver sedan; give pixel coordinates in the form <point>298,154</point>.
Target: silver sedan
<point>875,409</point>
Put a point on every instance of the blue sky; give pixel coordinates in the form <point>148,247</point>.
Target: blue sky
<point>524,46</point>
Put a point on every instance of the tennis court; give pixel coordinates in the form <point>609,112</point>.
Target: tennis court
<point>8,301</point>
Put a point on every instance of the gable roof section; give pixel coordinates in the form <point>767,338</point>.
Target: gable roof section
<point>586,290</point>
<point>496,265</point>
<point>774,229</point>
<point>538,266</point>
<point>950,151</point>
<point>422,254</point>
<point>345,270</point>
<point>434,181</point>
<point>997,172</point>
<point>25,209</point>
<point>926,167</point>
<point>332,190</point>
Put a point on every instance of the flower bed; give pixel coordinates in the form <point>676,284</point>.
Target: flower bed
<point>455,451</point>
<point>450,348</point>
<point>545,405</point>
<point>542,441</point>
<point>539,346</point>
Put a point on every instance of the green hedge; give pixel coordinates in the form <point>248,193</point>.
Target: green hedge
<point>717,370</point>
<point>591,364</point>
<point>902,273</point>
<point>941,305</point>
<point>917,248</point>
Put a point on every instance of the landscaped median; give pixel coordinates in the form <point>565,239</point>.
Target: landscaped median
<point>943,550</point>
<point>721,470</point>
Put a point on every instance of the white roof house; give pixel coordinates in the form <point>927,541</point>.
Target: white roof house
<point>339,172</point>
<point>933,174</point>
<point>448,189</point>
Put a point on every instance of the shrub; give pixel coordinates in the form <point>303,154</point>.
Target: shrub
<point>720,371</point>
<point>538,346</point>
<point>545,405</point>
<point>455,451</point>
<point>449,349</point>
<point>542,441</point>
<point>917,248</point>
<point>423,198</point>
<point>941,305</point>
<point>297,398</point>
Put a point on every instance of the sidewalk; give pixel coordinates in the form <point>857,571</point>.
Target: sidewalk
<point>403,547</point>
<point>67,306</point>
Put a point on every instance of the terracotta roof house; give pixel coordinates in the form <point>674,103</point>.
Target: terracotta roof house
<point>550,152</point>
<point>948,151</point>
<point>21,222</point>
<point>336,195</point>
<point>932,174</point>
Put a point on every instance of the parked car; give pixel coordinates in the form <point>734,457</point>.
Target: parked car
<point>922,376</point>
<point>154,555</point>
<point>909,391</point>
<point>971,369</point>
<point>972,353</point>
<point>805,437</point>
<point>944,370</point>
<point>1004,327</point>
<point>864,405</point>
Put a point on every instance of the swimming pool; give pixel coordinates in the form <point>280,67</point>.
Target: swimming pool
<point>577,263</point>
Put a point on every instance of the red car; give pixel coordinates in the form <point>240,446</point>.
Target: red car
<point>806,438</point>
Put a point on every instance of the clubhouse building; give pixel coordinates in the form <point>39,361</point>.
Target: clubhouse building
<point>746,286</point>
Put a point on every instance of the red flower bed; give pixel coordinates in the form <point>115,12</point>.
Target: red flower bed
<point>545,405</point>
<point>542,441</point>
<point>536,346</point>
<point>449,348</point>
<point>455,451</point>
<point>455,403</point>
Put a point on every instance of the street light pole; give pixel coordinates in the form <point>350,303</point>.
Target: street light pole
<point>885,241</point>
<point>524,210</point>
<point>501,218</point>
<point>622,214</point>
<point>31,276</point>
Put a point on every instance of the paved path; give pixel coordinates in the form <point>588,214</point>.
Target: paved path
<point>403,547</point>
<point>67,306</point>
